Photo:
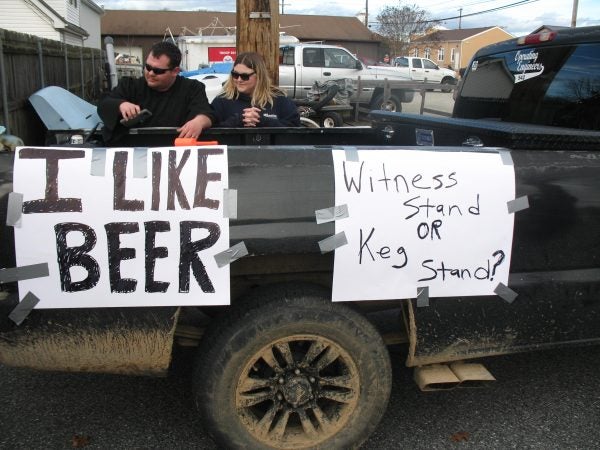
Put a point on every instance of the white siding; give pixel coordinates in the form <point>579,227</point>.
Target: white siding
<point>90,22</point>
<point>73,8</point>
<point>17,16</point>
<point>60,6</point>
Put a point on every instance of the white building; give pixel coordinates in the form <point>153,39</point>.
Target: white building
<point>75,22</point>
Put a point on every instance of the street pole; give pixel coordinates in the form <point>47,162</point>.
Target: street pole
<point>367,13</point>
<point>258,31</point>
<point>459,17</point>
<point>574,16</point>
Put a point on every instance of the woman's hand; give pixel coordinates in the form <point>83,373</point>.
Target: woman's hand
<point>251,117</point>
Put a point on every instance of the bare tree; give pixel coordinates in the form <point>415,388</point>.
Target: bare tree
<point>399,24</point>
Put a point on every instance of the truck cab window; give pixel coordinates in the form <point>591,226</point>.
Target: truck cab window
<point>430,65</point>
<point>313,57</point>
<point>286,56</point>
<point>556,86</point>
<point>339,59</point>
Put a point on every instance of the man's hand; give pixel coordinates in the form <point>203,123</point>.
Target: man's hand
<point>193,128</point>
<point>129,110</point>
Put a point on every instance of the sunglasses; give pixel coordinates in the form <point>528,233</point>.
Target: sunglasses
<point>243,76</point>
<point>156,70</point>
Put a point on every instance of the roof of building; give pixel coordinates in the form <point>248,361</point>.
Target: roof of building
<point>156,23</point>
<point>455,35</point>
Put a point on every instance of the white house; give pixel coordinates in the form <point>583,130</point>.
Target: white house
<point>75,22</point>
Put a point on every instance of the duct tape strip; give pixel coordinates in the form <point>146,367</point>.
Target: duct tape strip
<point>22,310</point>
<point>230,203</point>
<point>231,254</point>
<point>140,162</point>
<point>351,154</point>
<point>332,242</point>
<point>98,166</point>
<point>518,204</point>
<point>506,293</point>
<point>331,214</point>
<point>24,273</point>
<point>506,158</point>
<point>14,210</point>
<point>422,296</point>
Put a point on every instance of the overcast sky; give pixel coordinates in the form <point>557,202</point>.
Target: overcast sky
<point>518,20</point>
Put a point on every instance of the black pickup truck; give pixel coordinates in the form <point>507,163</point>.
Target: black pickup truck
<point>282,365</point>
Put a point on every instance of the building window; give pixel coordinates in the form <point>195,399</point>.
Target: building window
<point>427,53</point>
<point>441,54</point>
<point>415,52</point>
<point>453,55</point>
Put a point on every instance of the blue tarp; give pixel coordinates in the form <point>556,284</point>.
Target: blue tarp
<point>215,68</point>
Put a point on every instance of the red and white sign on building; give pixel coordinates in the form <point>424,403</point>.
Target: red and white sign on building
<point>221,54</point>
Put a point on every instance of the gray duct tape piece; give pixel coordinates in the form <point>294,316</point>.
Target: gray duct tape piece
<point>24,273</point>
<point>140,162</point>
<point>23,309</point>
<point>230,203</point>
<point>237,251</point>
<point>506,293</point>
<point>518,204</point>
<point>506,158</point>
<point>331,214</point>
<point>98,167</point>
<point>422,296</point>
<point>332,242</point>
<point>14,210</point>
<point>351,154</point>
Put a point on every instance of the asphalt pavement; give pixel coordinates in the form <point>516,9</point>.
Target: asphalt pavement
<point>542,400</point>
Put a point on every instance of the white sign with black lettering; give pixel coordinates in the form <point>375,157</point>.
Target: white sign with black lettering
<point>123,226</point>
<point>422,218</point>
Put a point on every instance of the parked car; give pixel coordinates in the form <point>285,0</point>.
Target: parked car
<point>423,69</point>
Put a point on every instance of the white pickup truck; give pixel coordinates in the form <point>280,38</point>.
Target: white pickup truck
<point>300,65</point>
<point>421,69</point>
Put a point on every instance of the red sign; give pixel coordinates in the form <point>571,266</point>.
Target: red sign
<point>221,54</point>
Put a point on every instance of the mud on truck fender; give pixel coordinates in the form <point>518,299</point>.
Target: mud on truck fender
<point>286,368</point>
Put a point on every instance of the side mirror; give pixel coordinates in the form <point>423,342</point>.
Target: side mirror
<point>359,65</point>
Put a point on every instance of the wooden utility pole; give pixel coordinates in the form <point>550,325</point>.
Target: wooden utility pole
<point>258,31</point>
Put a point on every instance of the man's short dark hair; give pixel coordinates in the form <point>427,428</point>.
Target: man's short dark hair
<point>170,50</point>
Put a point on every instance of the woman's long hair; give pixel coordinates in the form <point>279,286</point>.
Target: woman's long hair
<point>264,92</point>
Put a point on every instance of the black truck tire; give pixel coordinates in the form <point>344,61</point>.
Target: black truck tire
<point>291,369</point>
<point>393,104</point>
<point>447,84</point>
<point>331,119</point>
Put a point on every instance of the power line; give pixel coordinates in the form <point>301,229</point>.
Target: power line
<point>499,8</point>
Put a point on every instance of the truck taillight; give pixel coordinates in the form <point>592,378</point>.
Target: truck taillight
<point>537,38</point>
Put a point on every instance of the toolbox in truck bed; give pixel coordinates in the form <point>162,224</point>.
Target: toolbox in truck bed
<point>413,129</point>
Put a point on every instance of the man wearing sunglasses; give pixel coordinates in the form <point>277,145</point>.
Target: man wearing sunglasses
<point>174,101</point>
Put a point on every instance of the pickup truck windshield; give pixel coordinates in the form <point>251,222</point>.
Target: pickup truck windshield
<point>557,86</point>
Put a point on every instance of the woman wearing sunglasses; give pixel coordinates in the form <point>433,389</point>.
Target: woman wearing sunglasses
<point>250,100</point>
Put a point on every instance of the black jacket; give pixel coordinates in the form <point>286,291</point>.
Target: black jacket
<point>284,112</point>
<point>182,102</point>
